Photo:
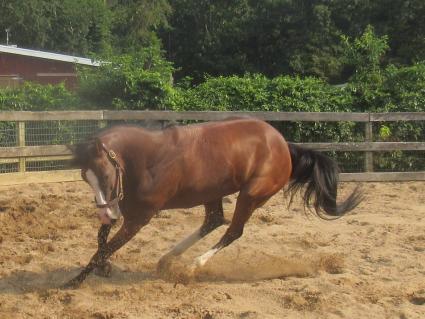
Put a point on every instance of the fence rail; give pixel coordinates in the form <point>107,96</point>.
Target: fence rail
<point>209,116</point>
<point>22,153</point>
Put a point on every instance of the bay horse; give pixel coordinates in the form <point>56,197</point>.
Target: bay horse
<point>135,173</point>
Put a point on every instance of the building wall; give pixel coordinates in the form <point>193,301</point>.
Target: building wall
<point>14,69</point>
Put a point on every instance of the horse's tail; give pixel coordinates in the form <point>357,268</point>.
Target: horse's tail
<point>319,174</point>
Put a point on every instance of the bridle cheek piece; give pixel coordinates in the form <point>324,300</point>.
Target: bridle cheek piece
<point>118,187</point>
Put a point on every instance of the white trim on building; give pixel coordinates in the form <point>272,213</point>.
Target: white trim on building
<point>47,55</point>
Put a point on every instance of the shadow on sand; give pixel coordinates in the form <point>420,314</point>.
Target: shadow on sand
<point>23,281</point>
<point>245,269</point>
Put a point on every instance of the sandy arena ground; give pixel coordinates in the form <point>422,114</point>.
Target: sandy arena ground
<point>288,264</point>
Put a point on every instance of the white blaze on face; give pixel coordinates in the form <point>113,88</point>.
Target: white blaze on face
<point>93,181</point>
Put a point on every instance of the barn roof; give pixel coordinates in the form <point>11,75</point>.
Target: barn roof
<point>47,55</point>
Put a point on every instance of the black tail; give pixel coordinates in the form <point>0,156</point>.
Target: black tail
<point>320,175</point>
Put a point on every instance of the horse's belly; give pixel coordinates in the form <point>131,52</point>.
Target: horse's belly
<point>195,197</point>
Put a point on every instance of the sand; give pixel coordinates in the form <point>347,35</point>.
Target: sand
<point>288,263</point>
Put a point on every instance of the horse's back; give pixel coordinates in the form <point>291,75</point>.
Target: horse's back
<point>229,153</point>
<point>237,128</point>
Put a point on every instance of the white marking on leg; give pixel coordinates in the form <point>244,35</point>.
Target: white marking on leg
<point>182,246</point>
<point>202,260</point>
<point>186,243</point>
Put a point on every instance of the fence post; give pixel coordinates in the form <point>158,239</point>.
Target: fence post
<point>21,143</point>
<point>102,123</point>
<point>368,138</point>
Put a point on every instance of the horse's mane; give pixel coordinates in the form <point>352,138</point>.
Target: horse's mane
<point>84,151</point>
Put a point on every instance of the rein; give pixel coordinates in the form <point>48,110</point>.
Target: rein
<point>118,187</point>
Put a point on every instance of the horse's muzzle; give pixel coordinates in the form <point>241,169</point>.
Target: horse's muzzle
<point>104,217</point>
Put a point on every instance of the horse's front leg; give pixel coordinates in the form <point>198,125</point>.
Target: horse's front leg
<point>104,267</point>
<point>124,234</point>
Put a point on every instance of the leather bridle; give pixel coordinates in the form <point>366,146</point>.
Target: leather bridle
<point>118,187</point>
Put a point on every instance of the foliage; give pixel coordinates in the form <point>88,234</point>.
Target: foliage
<point>403,90</point>
<point>83,27</point>
<point>268,37</point>
<point>37,97</point>
<point>133,81</point>
<point>134,23</point>
<point>259,93</point>
<point>401,20</point>
<point>284,93</point>
<point>143,82</point>
<point>365,54</point>
<point>214,38</point>
<point>286,36</point>
<point>71,26</point>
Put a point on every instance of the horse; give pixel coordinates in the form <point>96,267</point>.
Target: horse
<point>136,172</point>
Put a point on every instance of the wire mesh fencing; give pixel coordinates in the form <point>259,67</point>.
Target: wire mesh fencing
<point>8,134</point>
<point>39,133</point>
<point>399,160</point>
<point>64,132</point>
<point>58,132</point>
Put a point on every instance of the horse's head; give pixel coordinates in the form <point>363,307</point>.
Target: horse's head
<point>102,170</point>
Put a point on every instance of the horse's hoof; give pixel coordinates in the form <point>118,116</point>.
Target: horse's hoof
<point>104,270</point>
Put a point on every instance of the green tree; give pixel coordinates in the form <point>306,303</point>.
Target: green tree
<point>401,20</point>
<point>205,37</point>
<point>404,23</point>
<point>79,26</point>
<point>134,22</point>
<point>365,55</point>
<point>26,21</point>
<point>71,26</point>
<point>366,52</point>
<point>269,37</point>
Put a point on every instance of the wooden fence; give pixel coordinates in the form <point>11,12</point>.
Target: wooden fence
<point>22,153</point>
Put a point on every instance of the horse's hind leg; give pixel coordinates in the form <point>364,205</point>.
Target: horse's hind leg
<point>249,199</point>
<point>213,218</point>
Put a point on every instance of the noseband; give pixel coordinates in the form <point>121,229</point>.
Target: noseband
<point>118,188</point>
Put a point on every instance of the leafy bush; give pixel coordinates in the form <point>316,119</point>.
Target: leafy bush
<point>258,93</point>
<point>375,88</point>
<point>38,97</point>
<point>284,93</point>
<point>131,81</point>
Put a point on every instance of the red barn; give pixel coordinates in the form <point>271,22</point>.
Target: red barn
<point>18,65</point>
